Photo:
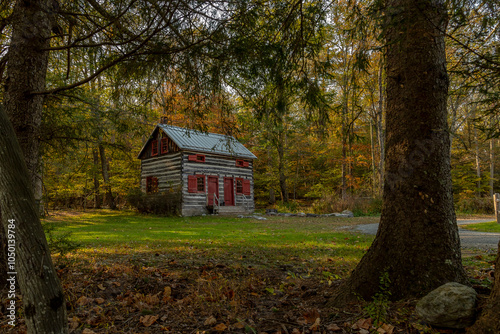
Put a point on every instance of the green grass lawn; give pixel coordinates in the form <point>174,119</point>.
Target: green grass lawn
<point>483,227</point>
<point>276,241</point>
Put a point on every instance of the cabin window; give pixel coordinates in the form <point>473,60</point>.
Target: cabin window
<point>154,148</point>
<point>151,185</point>
<point>196,157</point>
<point>239,186</point>
<point>164,145</point>
<point>242,163</point>
<point>242,187</point>
<point>196,183</point>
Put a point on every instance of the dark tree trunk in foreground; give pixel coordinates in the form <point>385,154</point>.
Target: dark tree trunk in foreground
<point>43,301</point>
<point>44,307</point>
<point>489,320</point>
<point>417,243</point>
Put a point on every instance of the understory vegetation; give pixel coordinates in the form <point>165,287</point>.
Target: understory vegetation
<point>147,274</point>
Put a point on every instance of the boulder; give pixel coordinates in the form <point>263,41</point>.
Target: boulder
<point>452,305</point>
<point>347,213</point>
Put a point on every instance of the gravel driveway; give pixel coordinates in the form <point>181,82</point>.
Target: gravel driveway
<point>469,239</point>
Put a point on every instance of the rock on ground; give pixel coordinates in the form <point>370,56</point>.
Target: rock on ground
<point>452,305</point>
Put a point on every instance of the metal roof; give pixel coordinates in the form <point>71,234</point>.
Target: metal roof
<point>187,139</point>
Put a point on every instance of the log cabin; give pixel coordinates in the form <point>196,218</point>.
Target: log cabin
<point>213,172</point>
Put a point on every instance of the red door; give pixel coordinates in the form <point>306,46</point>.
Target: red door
<point>229,191</point>
<point>213,188</point>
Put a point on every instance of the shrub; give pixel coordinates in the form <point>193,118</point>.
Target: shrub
<point>475,205</point>
<point>59,243</point>
<point>165,204</point>
<point>361,206</point>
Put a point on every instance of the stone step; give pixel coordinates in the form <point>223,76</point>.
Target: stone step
<point>234,210</point>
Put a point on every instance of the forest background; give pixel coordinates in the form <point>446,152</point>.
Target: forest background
<point>314,117</point>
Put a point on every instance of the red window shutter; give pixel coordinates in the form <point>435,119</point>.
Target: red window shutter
<point>192,184</point>
<point>246,187</point>
<point>246,164</point>
<point>154,147</point>
<point>192,157</point>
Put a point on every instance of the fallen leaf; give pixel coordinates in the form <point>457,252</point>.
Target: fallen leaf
<point>220,327</point>
<point>148,320</point>
<point>88,331</point>
<point>210,321</point>
<point>83,301</point>
<point>100,286</point>
<point>363,324</point>
<point>296,331</point>
<point>167,292</point>
<point>389,329</point>
<point>310,316</point>
<point>364,331</point>
<point>314,327</point>
<point>239,325</point>
<point>333,328</point>
<point>73,323</point>
<point>152,300</point>
<point>99,300</point>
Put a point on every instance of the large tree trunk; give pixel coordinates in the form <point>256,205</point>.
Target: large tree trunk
<point>44,306</point>
<point>417,243</point>
<point>489,320</point>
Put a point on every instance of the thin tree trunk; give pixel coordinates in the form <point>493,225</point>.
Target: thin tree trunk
<point>108,196</point>
<point>380,128</point>
<point>417,243</point>
<point>374,169</point>
<point>478,163</point>
<point>97,195</point>
<point>43,300</point>
<point>492,167</point>
<point>272,195</point>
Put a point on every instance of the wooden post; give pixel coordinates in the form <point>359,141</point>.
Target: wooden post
<point>496,199</point>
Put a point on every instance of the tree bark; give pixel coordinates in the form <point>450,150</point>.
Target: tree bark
<point>43,300</point>
<point>417,243</point>
<point>489,320</point>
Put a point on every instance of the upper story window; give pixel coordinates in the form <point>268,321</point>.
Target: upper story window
<point>154,148</point>
<point>164,145</point>
<point>196,157</point>
<point>242,163</point>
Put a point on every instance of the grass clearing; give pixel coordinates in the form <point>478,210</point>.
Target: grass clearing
<point>483,227</point>
<point>271,242</point>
